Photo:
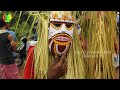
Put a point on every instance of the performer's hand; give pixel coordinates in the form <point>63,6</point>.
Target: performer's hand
<point>58,68</point>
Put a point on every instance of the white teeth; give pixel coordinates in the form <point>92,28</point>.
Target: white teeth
<point>60,38</point>
<point>50,45</point>
<point>60,53</point>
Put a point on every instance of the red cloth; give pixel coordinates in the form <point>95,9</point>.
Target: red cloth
<point>29,67</point>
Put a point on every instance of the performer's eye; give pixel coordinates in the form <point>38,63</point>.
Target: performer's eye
<point>69,26</point>
<point>56,25</point>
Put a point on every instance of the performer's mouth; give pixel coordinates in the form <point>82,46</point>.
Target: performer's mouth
<point>64,39</point>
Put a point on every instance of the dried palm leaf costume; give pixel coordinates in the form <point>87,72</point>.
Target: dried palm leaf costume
<point>101,36</point>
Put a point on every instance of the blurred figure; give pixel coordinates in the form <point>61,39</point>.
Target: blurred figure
<point>8,67</point>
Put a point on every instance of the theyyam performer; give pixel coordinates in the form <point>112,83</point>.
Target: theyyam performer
<point>57,54</point>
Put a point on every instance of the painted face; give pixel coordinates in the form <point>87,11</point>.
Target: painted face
<point>60,33</point>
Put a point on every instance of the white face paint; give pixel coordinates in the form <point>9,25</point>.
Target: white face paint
<point>60,33</point>
<point>62,28</point>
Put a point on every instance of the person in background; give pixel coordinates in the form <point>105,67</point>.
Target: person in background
<point>6,16</point>
<point>8,67</point>
<point>11,32</point>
